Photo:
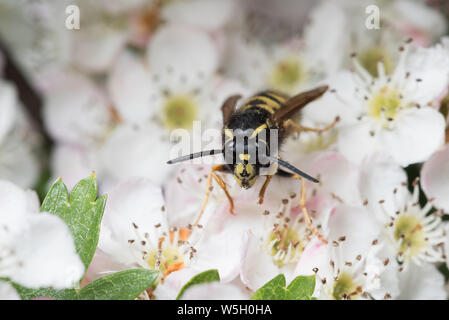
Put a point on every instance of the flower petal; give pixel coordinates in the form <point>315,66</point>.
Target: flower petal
<point>435,178</point>
<point>45,254</point>
<point>174,52</point>
<point>418,134</point>
<point>422,283</point>
<point>7,108</point>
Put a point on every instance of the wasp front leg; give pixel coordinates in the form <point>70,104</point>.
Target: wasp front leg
<point>264,188</point>
<point>221,183</point>
<point>290,125</point>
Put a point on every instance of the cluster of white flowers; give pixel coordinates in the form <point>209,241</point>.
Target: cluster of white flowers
<point>116,88</point>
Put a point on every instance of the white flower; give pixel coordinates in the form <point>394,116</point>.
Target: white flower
<point>389,113</point>
<point>352,265</point>
<point>36,249</point>
<point>135,233</point>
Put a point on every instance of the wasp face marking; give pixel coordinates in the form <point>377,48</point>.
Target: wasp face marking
<point>245,174</point>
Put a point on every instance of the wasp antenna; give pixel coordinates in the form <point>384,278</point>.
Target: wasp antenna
<point>294,169</point>
<point>195,155</point>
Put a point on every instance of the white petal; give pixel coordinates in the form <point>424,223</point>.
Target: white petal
<point>215,291</point>
<point>134,152</point>
<point>358,226</point>
<point>71,96</point>
<point>178,51</point>
<point>326,55</point>
<point>418,134</point>
<point>435,178</point>
<point>380,176</point>
<point>355,141</point>
<point>7,108</point>
<point>208,14</point>
<point>422,283</point>
<point>138,202</point>
<point>169,289</point>
<point>131,88</point>
<point>431,66</point>
<point>7,291</point>
<point>45,253</point>
<point>257,266</point>
<point>96,46</point>
<point>13,204</point>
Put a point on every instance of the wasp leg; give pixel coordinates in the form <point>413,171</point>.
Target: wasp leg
<point>221,183</point>
<point>298,128</point>
<point>302,204</point>
<point>264,188</point>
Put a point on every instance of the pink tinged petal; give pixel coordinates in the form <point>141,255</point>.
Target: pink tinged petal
<point>359,228</point>
<point>177,51</point>
<point>74,95</point>
<point>45,254</point>
<point>257,266</point>
<point>7,291</point>
<point>215,291</point>
<point>422,283</point>
<point>8,107</point>
<point>381,180</point>
<point>131,88</point>
<point>97,46</point>
<point>417,134</point>
<point>356,141</point>
<point>102,265</point>
<point>207,14</point>
<point>435,178</point>
<point>134,152</point>
<point>137,202</point>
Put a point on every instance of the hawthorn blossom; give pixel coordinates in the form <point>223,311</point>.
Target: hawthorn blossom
<point>388,113</point>
<point>135,233</point>
<point>36,249</point>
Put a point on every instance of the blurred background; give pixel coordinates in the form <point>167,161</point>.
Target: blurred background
<point>100,84</point>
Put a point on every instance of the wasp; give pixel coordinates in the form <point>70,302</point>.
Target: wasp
<point>247,142</point>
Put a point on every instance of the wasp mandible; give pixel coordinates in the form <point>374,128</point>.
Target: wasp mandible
<point>246,132</point>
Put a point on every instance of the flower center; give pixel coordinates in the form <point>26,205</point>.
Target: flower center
<point>345,287</point>
<point>180,112</point>
<point>287,74</point>
<point>409,232</point>
<point>385,104</point>
<point>371,56</point>
<point>166,260</point>
<point>285,245</point>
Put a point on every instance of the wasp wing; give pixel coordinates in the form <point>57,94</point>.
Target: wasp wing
<point>295,103</point>
<point>228,107</point>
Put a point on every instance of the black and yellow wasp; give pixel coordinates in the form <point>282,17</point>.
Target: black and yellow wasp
<point>247,130</point>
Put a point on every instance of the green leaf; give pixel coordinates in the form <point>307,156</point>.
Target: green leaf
<point>203,277</point>
<point>27,294</point>
<point>124,285</point>
<point>82,212</point>
<point>272,290</point>
<point>301,288</point>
